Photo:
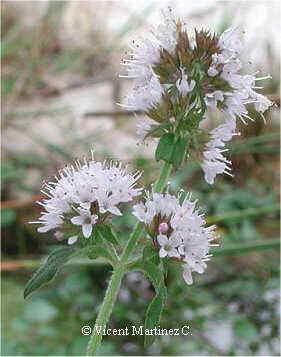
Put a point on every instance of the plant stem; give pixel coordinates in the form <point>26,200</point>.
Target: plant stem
<point>120,269</point>
<point>105,310</point>
<point>162,180</point>
<point>132,243</point>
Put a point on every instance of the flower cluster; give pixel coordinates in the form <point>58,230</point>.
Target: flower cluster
<point>214,162</point>
<point>178,230</point>
<point>84,195</point>
<point>178,77</point>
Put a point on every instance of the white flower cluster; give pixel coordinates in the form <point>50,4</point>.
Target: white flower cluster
<point>85,194</point>
<point>227,64</point>
<point>214,162</point>
<point>179,230</point>
<point>148,91</point>
<point>225,87</point>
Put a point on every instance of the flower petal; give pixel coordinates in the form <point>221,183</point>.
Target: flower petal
<point>87,230</point>
<point>72,240</point>
<point>78,220</point>
<point>162,253</point>
<point>162,240</point>
<point>175,241</point>
<point>115,210</point>
<point>173,253</point>
<point>187,275</point>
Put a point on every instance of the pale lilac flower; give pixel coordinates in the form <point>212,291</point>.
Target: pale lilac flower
<point>214,167</point>
<point>92,189</point>
<point>163,227</point>
<point>165,33</point>
<point>243,87</point>
<point>144,125</point>
<point>144,97</point>
<point>168,246</point>
<point>144,53</point>
<point>183,85</point>
<point>72,240</point>
<point>181,232</point>
<point>86,220</point>
<point>212,71</point>
<point>261,103</point>
<point>230,41</point>
<point>212,99</point>
<point>214,162</point>
<point>187,274</point>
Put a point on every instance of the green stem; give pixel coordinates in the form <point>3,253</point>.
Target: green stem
<point>162,180</point>
<point>105,310</point>
<point>132,243</point>
<point>120,269</point>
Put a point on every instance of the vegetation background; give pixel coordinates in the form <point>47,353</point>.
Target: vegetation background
<point>60,64</point>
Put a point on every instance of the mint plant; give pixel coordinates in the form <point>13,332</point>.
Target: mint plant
<point>177,78</point>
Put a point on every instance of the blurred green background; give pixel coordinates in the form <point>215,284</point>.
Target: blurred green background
<point>60,63</point>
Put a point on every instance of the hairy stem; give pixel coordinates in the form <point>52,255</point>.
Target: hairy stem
<point>105,310</point>
<point>162,180</point>
<point>116,279</point>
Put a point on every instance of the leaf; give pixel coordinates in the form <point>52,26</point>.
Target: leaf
<point>106,232</point>
<point>153,315</point>
<point>179,151</point>
<point>164,149</point>
<point>170,150</point>
<point>49,269</point>
<point>155,308</point>
<point>150,254</point>
<point>98,251</point>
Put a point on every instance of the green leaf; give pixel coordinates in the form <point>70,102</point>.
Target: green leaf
<point>49,269</point>
<point>179,151</point>
<point>155,308</point>
<point>98,251</point>
<point>170,150</point>
<point>164,149</point>
<point>153,314</point>
<point>150,254</point>
<point>106,232</point>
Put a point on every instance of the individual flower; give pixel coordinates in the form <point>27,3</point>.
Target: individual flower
<point>168,246</point>
<point>83,195</point>
<point>178,230</point>
<point>144,127</point>
<point>86,220</point>
<point>183,85</point>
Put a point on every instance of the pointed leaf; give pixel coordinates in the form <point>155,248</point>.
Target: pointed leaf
<point>165,147</point>
<point>97,251</point>
<point>179,151</point>
<point>49,269</point>
<point>155,308</point>
<point>153,314</point>
<point>150,254</point>
<point>106,232</point>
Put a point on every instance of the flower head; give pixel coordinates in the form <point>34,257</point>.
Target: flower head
<point>178,229</point>
<point>84,195</point>
<point>181,76</point>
